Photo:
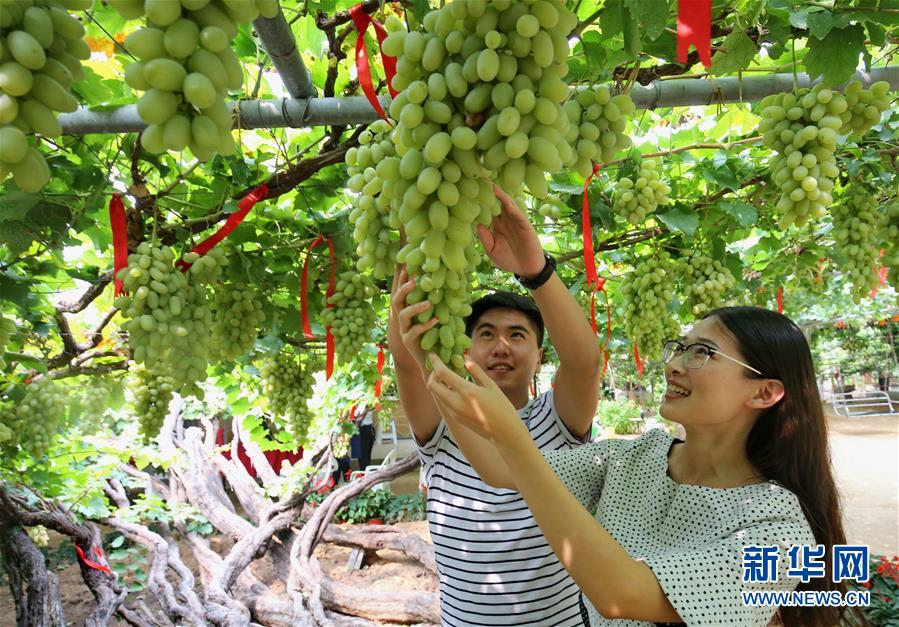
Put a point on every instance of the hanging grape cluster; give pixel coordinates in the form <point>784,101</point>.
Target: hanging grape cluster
<point>185,66</point>
<point>856,229</point>
<point>151,393</point>
<point>350,314</point>
<point>169,312</point>
<point>287,381</point>
<point>34,420</point>
<point>647,291</point>
<point>889,235</point>
<point>41,49</point>
<point>373,168</point>
<point>93,398</point>
<point>7,329</point>
<point>635,198</point>
<point>705,281</point>
<point>38,535</point>
<point>480,95</point>
<point>596,126</point>
<point>803,129</point>
<point>237,314</point>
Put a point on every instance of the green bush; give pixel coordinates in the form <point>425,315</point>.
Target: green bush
<point>407,507</point>
<point>622,416</point>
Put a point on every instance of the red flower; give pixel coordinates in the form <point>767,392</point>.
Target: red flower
<point>866,584</point>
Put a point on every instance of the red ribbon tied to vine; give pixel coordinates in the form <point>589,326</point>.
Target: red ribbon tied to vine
<point>119,239</point>
<point>694,26</point>
<point>307,328</point>
<point>92,564</point>
<point>595,283</point>
<point>780,300</point>
<point>361,19</point>
<point>232,222</point>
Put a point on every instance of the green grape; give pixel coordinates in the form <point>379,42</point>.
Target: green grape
<point>635,198</point>
<point>803,129</point>
<point>596,127</point>
<point>376,238</point>
<point>647,291</point>
<point>287,384</point>
<point>186,67</point>
<point>237,314</point>
<point>350,314</point>
<point>36,418</point>
<point>40,60</point>
<point>38,535</point>
<point>477,99</point>
<point>151,393</point>
<point>705,282</point>
<point>889,235</point>
<point>169,313</point>
<point>856,229</point>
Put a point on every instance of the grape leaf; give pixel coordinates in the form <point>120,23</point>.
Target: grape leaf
<point>836,55</point>
<point>737,51</point>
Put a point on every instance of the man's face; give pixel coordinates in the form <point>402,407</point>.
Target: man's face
<point>504,345</point>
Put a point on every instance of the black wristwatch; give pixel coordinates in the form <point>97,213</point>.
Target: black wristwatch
<point>544,275</point>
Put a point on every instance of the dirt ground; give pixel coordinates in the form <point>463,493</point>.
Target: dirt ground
<point>865,455</point>
<point>390,570</point>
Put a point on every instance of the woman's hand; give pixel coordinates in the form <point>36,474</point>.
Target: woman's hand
<point>511,241</point>
<point>404,315</point>
<point>481,406</point>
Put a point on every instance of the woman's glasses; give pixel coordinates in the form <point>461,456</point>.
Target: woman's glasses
<point>696,355</point>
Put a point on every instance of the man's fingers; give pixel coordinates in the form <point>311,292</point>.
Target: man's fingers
<point>407,312</point>
<point>416,331</point>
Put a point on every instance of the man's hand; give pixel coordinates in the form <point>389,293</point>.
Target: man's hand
<point>404,315</point>
<point>511,241</point>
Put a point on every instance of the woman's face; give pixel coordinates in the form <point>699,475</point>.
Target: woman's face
<point>718,392</point>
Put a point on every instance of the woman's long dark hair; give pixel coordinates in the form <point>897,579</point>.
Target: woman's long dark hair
<point>788,442</point>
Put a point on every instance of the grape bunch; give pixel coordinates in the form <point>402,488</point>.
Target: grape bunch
<point>185,67</point>
<point>373,169</point>
<point>7,329</point>
<point>705,282</point>
<point>856,230</point>
<point>237,314</point>
<point>38,535</point>
<point>596,127</point>
<point>635,198</point>
<point>35,419</point>
<point>647,291</point>
<point>889,235</point>
<point>41,49</point>
<point>151,393</point>
<point>350,314</point>
<point>803,129</point>
<point>481,93</point>
<point>550,207</point>
<point>287,384</point>
<point>170,312</point>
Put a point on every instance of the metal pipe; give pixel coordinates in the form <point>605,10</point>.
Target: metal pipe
<point>296,113</point>
<point>280,44</point>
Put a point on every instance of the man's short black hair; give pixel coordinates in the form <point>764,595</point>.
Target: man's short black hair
<point>505,300</point>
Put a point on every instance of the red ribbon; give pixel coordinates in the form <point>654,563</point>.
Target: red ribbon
<point>638,360</point>
<point>780,300</point>
<point>91,563</point>
<point>593,280</point>
<point>880,276</point>
<point>380,370</point>
<point>307,329</point>
<point>119,238</point>
<point>243,208</point>
<point>362,19</point>
<point>694,26</point>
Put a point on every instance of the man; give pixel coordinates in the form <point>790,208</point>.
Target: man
<point>495,568</point>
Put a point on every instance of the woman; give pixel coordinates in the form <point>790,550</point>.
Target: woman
<point>653,529</point>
